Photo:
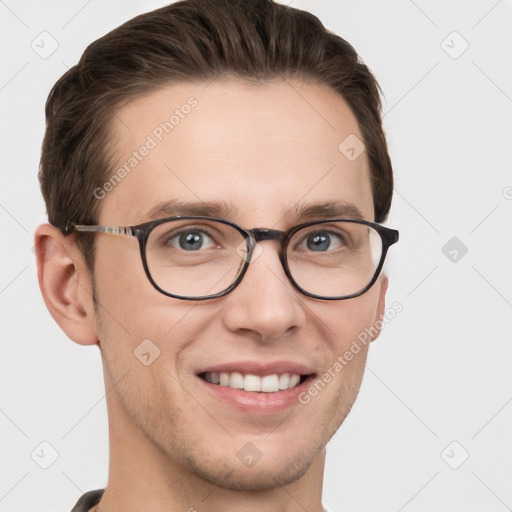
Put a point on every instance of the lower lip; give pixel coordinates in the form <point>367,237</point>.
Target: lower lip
<point>258,402</point>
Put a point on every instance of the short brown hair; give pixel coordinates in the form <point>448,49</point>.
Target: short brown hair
<point>192,40</point>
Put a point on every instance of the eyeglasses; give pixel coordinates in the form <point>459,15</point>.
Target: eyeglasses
<point>199,258</point>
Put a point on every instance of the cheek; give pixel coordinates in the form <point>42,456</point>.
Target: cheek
<point>136,323</point>
<point>349,320</point>
<point>118,267</point>
<point>347,334</point>
<point>127,299</point>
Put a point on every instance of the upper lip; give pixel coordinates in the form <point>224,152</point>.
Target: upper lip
<point>260,368</point>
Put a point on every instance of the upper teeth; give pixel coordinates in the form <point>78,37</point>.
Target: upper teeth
<point>267,384</point>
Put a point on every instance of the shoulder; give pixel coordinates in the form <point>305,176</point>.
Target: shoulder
<point>88,500</point>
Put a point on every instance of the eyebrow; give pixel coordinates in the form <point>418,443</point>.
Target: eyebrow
<point>327,210</point>
<point>298,213</point>
<point>175,207</point>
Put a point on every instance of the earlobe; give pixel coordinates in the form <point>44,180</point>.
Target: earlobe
<point>65,284</point>
<point>381,306</point>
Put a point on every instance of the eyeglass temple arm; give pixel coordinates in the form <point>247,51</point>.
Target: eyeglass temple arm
<point>113,230</point>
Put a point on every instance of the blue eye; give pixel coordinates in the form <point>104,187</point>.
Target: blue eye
<point>191,241</point>
<point>321,241</point>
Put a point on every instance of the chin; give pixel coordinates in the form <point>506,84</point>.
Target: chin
<point>281,462</point>
<point>264,475</point>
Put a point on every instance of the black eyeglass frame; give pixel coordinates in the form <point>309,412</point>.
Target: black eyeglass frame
<point>252,237</point>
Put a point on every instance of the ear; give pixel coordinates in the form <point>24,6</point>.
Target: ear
<point>66,284</point>
<point>381,306</point>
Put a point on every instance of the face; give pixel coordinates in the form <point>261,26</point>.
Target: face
<point>257,154</point>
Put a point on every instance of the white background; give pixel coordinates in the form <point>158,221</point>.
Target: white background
<point>440,371</point>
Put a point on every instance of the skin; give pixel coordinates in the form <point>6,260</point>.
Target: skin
<point>261,149</point>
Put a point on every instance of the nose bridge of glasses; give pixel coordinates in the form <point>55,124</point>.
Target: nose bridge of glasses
<point>262,234</point>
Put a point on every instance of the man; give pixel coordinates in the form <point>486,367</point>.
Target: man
<point>215,174</point>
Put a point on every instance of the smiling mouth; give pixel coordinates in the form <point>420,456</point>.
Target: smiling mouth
<point>255,383</point>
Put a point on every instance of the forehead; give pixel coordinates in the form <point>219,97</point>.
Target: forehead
<point>263,151</point>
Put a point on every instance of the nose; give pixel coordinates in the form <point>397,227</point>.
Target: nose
<point>265,304</point>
